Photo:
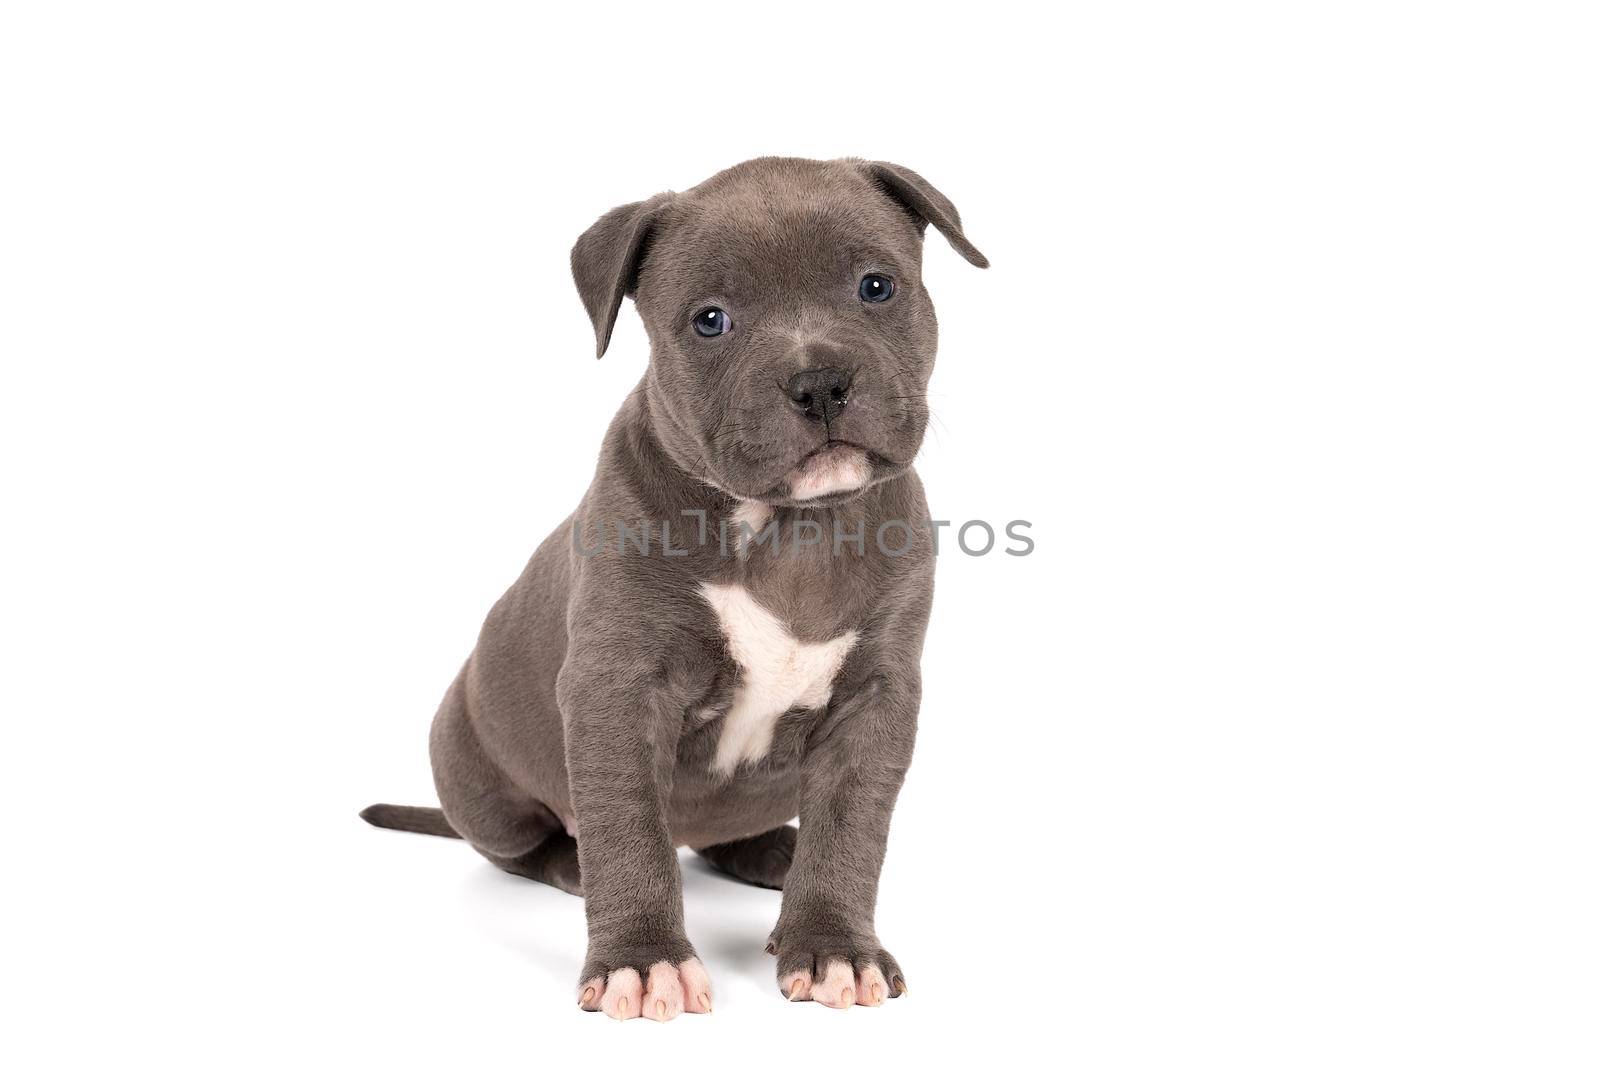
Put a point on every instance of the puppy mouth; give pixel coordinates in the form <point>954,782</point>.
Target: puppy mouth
<point>837,468</point>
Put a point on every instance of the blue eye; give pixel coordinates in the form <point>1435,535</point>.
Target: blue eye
<point>712,322</point>
<point>876,288</point>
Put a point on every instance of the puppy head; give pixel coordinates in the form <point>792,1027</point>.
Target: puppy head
<point>791,339</point>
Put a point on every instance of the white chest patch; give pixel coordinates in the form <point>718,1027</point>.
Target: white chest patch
<point>747,522</point>
<point>777,673</point>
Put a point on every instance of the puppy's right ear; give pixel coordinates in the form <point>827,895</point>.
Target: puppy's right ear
<point>605,262</point>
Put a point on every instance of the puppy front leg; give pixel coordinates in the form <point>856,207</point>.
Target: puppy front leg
<point>621,745</point>
<point>825,940</point>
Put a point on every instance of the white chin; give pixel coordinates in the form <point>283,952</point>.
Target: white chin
<point>836,469</point>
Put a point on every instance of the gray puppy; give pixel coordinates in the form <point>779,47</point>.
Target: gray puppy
<point>727,632</point>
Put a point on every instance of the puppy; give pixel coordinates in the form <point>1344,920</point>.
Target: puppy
<point>726,634</point>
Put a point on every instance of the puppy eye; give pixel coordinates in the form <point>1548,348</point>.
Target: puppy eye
<point>876,288</point>
<point>711,322</point>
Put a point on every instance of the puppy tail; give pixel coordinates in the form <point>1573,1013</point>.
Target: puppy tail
<point>412,820</point>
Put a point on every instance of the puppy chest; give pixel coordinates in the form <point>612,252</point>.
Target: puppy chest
<point>777,672</point>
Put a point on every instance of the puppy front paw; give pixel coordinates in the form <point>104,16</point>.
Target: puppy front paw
<point>837,970</point>
<point>630,983</point>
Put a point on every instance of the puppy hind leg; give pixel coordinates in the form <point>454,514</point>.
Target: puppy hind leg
<point>510,828</point>
<point>760,860</point>
<point>554,862</point>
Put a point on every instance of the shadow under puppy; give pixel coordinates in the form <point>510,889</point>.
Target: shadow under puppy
<point>727,632</point>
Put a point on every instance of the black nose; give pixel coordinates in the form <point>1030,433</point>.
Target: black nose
<point>820,394</point>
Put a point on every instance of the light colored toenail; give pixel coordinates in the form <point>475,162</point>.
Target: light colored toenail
<point>794,990</point>
<point>661,1010</point>
<point>877,991</point>
<point>705,1002</point>
<point>622,1007</point>
<point>588,995</point>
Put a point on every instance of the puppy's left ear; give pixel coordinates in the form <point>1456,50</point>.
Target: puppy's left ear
<point>606,261</point>
<point>926,204</point>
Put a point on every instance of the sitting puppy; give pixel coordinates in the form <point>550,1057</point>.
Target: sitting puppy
<point>726,633</point>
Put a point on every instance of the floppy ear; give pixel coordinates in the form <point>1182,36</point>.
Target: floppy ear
<point>605,262</point>
<point>926,204</point>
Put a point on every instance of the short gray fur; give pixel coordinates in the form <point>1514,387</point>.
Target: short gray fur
<point>591,700</point>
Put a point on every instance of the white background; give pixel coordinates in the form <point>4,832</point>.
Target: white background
<point>1280,749</point>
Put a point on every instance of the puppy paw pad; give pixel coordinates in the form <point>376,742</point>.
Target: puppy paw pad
<point>796,985</point>
<point>696,984</point>
<point>837,987</point>
<point>665,992</point>
<point>871,989</point>
<point>835,983</point>
<point>624,994</point>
